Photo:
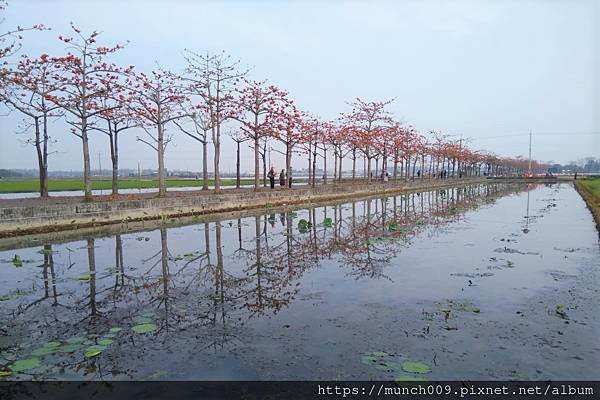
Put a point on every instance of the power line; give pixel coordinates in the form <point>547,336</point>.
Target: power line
<point>539,134</point>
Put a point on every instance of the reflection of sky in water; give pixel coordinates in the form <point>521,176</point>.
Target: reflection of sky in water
<point>272,297</point>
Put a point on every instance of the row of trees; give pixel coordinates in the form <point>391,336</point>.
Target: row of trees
<point>210,98</point>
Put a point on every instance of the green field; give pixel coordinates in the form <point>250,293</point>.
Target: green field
<point>592,185</point>
<point>57,185</point>
<point>589,189</point>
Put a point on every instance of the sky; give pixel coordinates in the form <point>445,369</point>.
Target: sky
<point>486,71</point>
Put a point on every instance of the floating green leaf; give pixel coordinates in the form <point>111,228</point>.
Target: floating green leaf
<point>4,297</point>
<point>145,328</point>
<point>388,366</point>
<point>303,226</point>
<point>142,320</point>
<point>416,367</point>
<point>115,329</point>
<point>44,351</point>
<point>85,277</point>
<point>45,252</point>
<point>104,342</point>
<point>52,344</point>
<point>17,262</point>
<point>70,348</point>
<point>25,365</point>
<point>94,351</point>
<point>76,340</point>
<point>472,309</point>
<point>4,373</point>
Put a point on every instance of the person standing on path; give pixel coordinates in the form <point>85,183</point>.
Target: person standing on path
<point>271,176</point>
<point>282,178</point>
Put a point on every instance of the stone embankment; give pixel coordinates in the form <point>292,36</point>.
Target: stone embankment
<point>38,216</point>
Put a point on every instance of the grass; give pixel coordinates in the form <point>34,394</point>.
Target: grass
<point>589,189</point>
<point>57,185</point>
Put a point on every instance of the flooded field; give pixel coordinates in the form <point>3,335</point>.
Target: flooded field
<point>484,282</point>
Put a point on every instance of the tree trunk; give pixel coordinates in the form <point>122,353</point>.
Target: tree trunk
<point>217,159</point>
<point>237,167</point>
<point>256,156</point>
<point>264,158</point>
<point>335,162</point>
<point>396,164</point>
<point>368,169</point>
<point>324,165</point>
<point>314,167</point>
<point>43,171</point>
<point>288,164</point>
<point>87,179</point>
<point>340,168</point>
<point>162,183</point>
<point>353,164</point>
<point>205,165</point>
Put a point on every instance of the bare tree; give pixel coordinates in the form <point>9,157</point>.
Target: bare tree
<point>213,77</point>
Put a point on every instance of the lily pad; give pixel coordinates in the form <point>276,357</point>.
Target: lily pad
<point>85,277</point>
<point>4,297</point>
<point>416,367</point>
<point>44,351</point>
<point>388,366</point>
<point>472,309</point>
<point>4,373</point>
<point>69,348</point>
<point>76,339</point>
<point>145,328</point>
<point>94,351</point>
<point>142,320</point>
<point>104,342</point>
<point>25,365</point>
<point>115,329</point>
<point>52,344</point>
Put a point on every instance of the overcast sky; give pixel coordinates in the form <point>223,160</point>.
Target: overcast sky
<point>486,70</point>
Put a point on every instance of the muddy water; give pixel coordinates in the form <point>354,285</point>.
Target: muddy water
<point>485,282</point>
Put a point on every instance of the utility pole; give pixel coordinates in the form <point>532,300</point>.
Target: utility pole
<point>99,166</point>
<point>530,152</point>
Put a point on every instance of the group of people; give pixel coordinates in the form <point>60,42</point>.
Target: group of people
<point>282,178</point>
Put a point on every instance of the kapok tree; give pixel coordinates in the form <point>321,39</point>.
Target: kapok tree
<point>367,120</point>
<point>199,115</point>
<point>254,107</point>
<point>28,88</point>
<point>156,100</point>
<point>10,40</point>
<point>213,77</point>
<point>286,127</point>
<point>81,74</point>
<point>116,116</point>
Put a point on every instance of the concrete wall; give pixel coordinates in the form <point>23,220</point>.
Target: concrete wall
<point>43,217</point>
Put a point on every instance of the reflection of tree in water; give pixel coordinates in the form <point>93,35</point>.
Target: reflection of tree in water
<point>272,268</point>
<point>371,241</point>
<point>49,279</point>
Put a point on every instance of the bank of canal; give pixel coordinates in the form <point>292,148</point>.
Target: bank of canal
<point>489,281</point>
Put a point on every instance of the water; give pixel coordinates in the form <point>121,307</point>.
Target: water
<point>488,282</point>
